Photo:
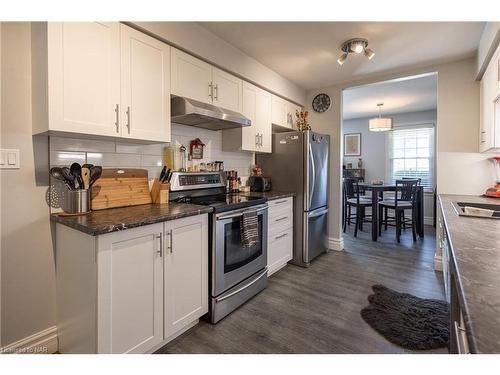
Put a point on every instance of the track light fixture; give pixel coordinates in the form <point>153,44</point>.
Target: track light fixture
<point>355,45</point>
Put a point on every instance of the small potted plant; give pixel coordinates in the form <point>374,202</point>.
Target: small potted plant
<point>302,123</point>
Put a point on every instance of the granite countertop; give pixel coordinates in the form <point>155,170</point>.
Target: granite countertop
<point>269,195</point>
<point>114,219</point>
<point>475,250</point>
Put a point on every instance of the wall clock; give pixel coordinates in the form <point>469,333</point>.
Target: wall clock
<point>321,103</point>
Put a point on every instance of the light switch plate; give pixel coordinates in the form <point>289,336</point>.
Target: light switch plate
<point>9,159</point>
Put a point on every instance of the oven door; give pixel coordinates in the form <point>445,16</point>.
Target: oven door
<point>231,262</point>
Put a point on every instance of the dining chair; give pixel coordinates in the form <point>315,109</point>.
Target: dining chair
<point>404,199</point>
<point>353,198</point>
<point>391,198</point>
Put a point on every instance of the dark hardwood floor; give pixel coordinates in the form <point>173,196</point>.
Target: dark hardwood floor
<point>317,309</point>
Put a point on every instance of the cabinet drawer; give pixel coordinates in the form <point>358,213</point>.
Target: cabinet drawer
<point>280,219</point>
<point>279,202</point>
<point>279,250</point>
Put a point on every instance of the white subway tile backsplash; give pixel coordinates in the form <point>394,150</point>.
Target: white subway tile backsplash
<point>112,154</point>
<point>66,158</point>
<point>114,160</point>
<point>84,145</point>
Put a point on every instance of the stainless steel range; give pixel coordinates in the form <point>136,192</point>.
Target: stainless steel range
<point>237,273</point>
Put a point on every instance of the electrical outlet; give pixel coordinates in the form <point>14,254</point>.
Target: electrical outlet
<point>9,159</point>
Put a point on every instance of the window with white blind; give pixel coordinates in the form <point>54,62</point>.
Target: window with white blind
<point>411,154</point>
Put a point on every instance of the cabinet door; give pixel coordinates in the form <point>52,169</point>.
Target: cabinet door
<point>263,120</point>
<point>228,90</point>
<point>145,86</point>
<point>487,90</point>
<point>249,106</point>
<point>190,77</point>
<point>186,272</point>
<point>130,290</point>
<point>279,111</point>
<point>84,77</point>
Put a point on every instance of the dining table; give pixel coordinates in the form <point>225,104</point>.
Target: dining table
<point>378,190</point>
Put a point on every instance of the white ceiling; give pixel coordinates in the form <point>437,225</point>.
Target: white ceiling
<point>399,96</point>
<point>306,52</point>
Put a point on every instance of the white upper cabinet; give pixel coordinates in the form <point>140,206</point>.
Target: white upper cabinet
<point>263,121</point>
<point>190,77</point>
<point>279,112</point>
<point>145,83</point>
<point>227,90</point>
<point>198,80</point>
<point>78,88</point>
<point>489,136</point>
<point>130,290</point>
<point>79,70</point>
<point>256,106</point>
<point>186,272</point>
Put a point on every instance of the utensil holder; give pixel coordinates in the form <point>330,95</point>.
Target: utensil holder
<point>160,192</point>
<point>76,202</point>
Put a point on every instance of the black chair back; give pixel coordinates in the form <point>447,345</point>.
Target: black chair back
<point>350,187</point>
<point>406,190</point>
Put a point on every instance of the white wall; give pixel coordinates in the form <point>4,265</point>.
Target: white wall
<point>28,277</point>
<point>197,40</point>
<point>457,131</point>
<point>373,144</point>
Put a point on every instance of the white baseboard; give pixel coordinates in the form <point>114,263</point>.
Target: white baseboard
<point>43,342</point>
<point>438,263</point>
<point>336,244</point>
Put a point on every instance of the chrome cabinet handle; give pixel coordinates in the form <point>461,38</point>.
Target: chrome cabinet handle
<point>117,118</point>
<point>279,202</point>
<point>216,92</point>
<point>281,218</point>
<point>128,119</point>
<point>211,90</point>
<point>160,250</point>
<point>281,236</point>
<point>170,247</point>
<point>257,139</point>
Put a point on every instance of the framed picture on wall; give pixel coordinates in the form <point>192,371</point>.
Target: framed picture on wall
<point>352,144</point>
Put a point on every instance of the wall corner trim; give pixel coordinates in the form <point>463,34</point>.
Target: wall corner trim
<point>438,263</point>
<point>336,244</point>
<point>43,342</point>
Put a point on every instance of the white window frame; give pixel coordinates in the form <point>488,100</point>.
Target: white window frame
<point>388,151</point>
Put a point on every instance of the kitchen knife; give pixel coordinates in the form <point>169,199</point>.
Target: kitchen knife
<point>163,173</point>
<point>165,178</point>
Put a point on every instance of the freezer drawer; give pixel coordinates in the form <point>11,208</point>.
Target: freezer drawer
<point>315,233</point>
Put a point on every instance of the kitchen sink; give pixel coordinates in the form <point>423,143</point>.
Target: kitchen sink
<point>460,209</point>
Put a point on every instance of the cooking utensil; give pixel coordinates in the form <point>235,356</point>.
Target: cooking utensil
<point>76,170</point>
<point>68,177</point>
<point>95,173</point>
<point>86,177</point>
<point>87,166</point>
<point>57,173</point>
<point>54,195</point>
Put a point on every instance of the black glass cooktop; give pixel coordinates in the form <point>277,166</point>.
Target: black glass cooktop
<point>224,202</point>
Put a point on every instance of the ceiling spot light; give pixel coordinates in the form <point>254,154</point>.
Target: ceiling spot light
<point>380,124</point>
<point>355,45</point>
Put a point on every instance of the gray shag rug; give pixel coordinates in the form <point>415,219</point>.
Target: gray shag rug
<point>408,321</point>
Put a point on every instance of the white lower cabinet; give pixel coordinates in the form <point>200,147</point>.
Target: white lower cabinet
<point>130,291</point>
<point>280,234</point>
<point>186,272</point>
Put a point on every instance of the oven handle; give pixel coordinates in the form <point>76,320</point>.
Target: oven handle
<point>220,299</point>
<point>238,214</point>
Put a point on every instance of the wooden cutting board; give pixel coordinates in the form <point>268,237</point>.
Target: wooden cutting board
<point>120,188</point>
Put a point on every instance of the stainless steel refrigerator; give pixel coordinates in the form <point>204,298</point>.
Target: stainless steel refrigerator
<point>299,163</point>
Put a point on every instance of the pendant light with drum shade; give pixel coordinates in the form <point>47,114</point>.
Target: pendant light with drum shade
<point>380,124</point>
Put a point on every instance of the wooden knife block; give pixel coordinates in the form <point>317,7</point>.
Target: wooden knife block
<point>160,191</point>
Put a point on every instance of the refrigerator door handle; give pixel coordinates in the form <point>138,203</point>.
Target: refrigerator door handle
<point>318,213</point>
<point>311,188</point>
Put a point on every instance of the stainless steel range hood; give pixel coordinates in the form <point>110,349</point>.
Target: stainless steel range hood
<point>191,112</point>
